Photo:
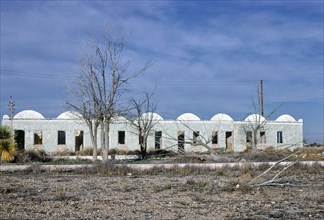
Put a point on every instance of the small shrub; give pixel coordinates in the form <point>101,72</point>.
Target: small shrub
<point>245,178</point>
<point>63,151</point>
<point>88,151</point>
<point>110,169</point>
<point>219,172</point>
<point>7,144</point>
<point>162,187</point>
<point>60,193</point>
<point>33,155</point>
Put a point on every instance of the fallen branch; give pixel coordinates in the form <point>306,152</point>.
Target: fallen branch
<point>270,168</point>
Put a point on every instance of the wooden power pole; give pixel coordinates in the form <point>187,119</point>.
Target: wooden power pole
<point>261,98</point>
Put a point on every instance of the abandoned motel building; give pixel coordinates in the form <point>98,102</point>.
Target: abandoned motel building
<point>69,131</point>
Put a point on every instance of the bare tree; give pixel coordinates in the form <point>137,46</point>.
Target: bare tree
<point>84,100</point>
<point>103,79</point>
<point>143,119</point>
<point>196,139</point>
<point>255,129</point>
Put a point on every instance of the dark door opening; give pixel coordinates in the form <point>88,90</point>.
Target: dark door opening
<point>181,140</point>
<point>78,140</point>
<point>20,139</point>
<point>229,140</point>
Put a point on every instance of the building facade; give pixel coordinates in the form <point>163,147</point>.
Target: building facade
<point>188,132</point>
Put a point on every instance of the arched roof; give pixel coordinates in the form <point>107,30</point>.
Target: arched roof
<point>69,115</point>
<point>188,117</point>
<point>285,118</point>
<point>255,118</point>
<point>221,117</point>
<point>120,118</point>
<point>152,115</point>
<point>28,114</point>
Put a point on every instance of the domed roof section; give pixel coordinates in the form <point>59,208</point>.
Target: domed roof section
<point>69,115</point>
<point>221,117</point>
<point>28,114</point>
<point>285,118</point>
<point>6,117</point>
<point>188,117</point>
<point>152,115</point>
<point>255,118</point>
<point>120,118</point>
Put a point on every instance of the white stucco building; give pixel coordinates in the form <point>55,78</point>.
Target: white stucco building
<point>221,131</point>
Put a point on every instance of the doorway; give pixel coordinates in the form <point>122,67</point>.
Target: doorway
<point>20,139</point>
<point>78,140</point>
<point>181,141</point>
<point>229,140</point>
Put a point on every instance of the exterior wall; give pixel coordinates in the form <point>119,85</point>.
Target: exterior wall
<point>292,133</point>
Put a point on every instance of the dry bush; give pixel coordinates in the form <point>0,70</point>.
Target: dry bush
<point>87,151</point>
<point>266,155</point>
<point>189,159</point>
<point>312,153</point>
<point>161,153</point>
<point>110,169</point>
<point>63,151</point>
<point>115,151</point>
<point>161,187</point>
<point>33,155</point>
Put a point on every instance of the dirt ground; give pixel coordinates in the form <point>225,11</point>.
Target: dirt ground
<point>208,196</point>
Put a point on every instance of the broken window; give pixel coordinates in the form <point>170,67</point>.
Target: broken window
<point>215,137</point>
<point>279,137</point>
<point>38,138</point>
<point>158,137</point>
<point>249,137</point>
<point>121,137</point>
<point>195,138</point>
<point>61,137</point>
<point>262,137</point>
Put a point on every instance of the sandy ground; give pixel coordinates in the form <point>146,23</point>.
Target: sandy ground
<point>91,196</point>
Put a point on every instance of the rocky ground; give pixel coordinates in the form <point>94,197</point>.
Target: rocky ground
<point>211,195</point>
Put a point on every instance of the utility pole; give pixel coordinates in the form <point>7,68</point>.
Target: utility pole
<point>261,98</point>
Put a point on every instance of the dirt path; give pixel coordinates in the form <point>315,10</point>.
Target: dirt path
<point>82,196</point>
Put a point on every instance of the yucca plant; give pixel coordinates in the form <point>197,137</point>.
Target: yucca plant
<point>7,144</point>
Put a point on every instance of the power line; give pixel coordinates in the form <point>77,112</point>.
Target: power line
<point>59,77</point>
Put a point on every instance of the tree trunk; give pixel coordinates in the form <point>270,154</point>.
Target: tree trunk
<point>105,148</point>
<point>93,136</point>
<point>94,144</point>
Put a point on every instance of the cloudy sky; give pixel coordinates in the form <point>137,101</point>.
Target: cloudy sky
<point>208,55</point>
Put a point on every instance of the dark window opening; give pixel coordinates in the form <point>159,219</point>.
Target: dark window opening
<point>262,137</point>
<point>61,137</point>
<point>195,139</point>
<point>121,137</point>
<point>38,138</point>
<point>158,138</point>
<point>215,137</point>
<point>279,137</point>
<point>249,137</point>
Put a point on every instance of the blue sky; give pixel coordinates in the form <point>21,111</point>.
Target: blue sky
<point>208,55</point>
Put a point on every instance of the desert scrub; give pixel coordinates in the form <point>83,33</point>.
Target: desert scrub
<point>162,187</point>
<point>8,149</point>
